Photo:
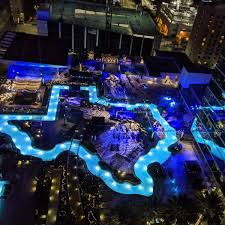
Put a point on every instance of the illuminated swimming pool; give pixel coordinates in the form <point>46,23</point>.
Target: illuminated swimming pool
<point>158,154</point>
<point>215,149</point>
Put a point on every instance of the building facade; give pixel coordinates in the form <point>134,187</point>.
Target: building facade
<point>207,36</point>
<point>211,122</point>
<point>176,18</point>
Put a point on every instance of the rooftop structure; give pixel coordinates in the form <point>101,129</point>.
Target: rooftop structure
<point>124,21</point>
<point>132,32</point>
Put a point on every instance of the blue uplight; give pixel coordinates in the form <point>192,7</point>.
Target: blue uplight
<point>194,107</point>
<point>24,69</point>
<point>172,104</point>
<point>167,98</point>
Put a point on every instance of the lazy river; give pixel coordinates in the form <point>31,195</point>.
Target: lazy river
<point>158,154</point>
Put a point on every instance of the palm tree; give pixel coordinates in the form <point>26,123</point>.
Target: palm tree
<point>158,213</point>
<point>181,210</point>
<point>161,216</point>
<point>114,220</point>
<point>212,206</point>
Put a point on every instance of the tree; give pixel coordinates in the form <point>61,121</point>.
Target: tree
<point>212,206</point>
<point>114,220</point>
<point>181,210</point>
<point>160,213</point>
<point>161,216</point>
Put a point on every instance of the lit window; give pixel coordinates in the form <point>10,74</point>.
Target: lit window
<point>213,31</point>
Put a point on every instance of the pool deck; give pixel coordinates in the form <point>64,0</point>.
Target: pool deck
<point>159,153</point>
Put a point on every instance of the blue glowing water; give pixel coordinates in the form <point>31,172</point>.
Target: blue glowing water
<point>158,154</point>
<point>215,149</point>
<point>24,69</point>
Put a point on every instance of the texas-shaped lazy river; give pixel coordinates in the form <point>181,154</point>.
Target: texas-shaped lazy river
<point>158,154</point>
